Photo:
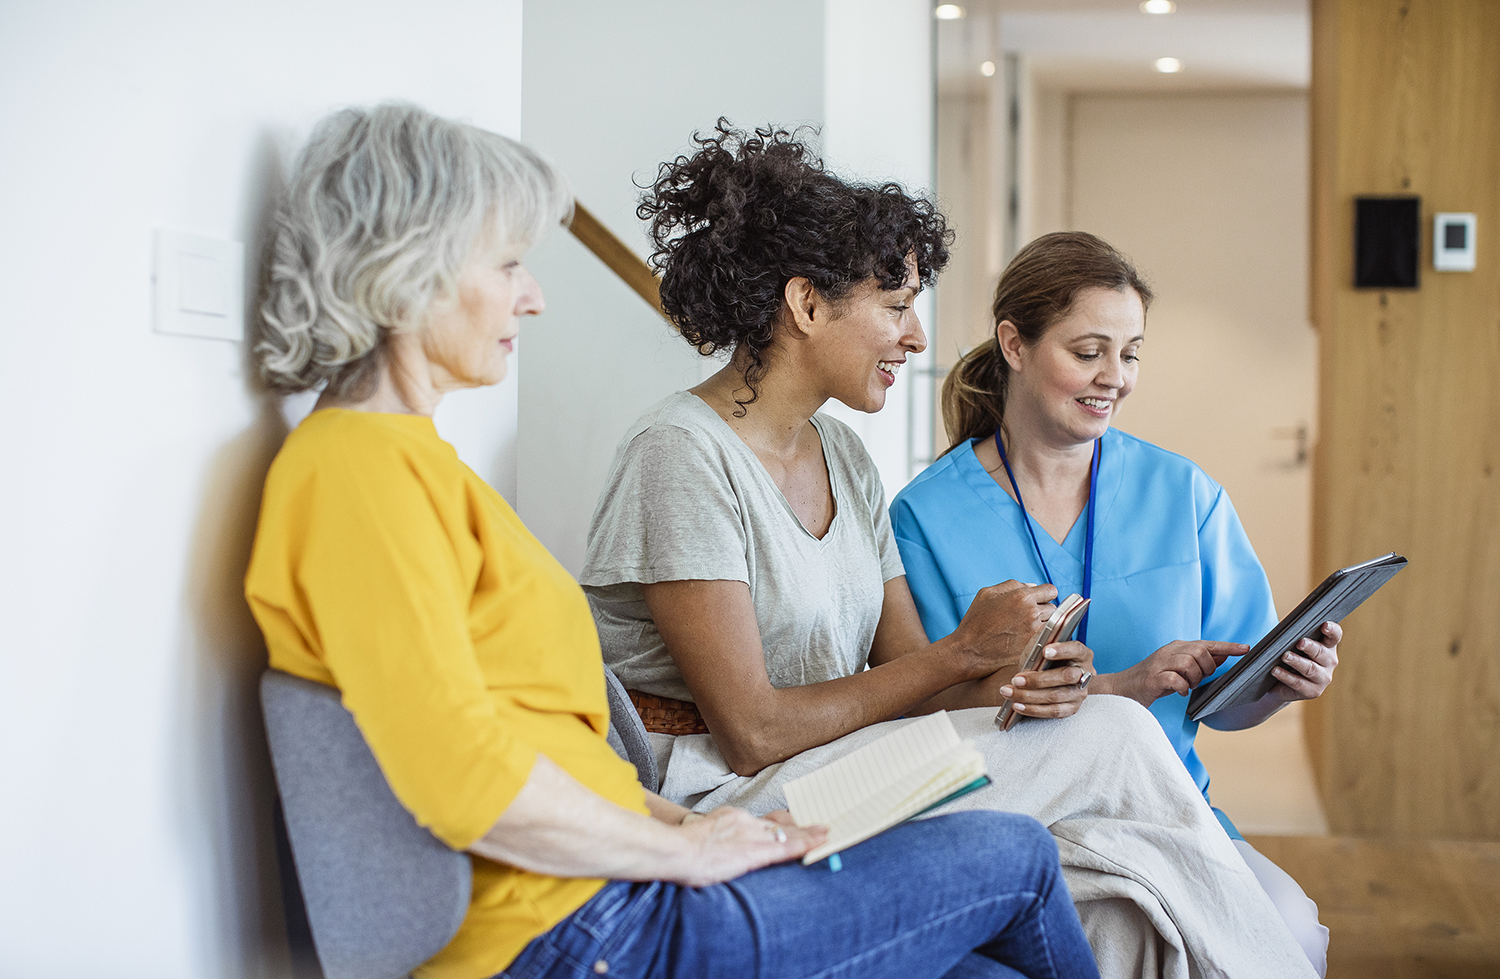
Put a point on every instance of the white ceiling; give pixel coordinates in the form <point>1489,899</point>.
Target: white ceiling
<point>1110,45</point>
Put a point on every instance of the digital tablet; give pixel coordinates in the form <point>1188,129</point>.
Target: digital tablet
<point>1340,593</point>
<point>1059,628</point>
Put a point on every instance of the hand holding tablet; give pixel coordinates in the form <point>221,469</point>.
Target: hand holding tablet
<point>1252,677</point>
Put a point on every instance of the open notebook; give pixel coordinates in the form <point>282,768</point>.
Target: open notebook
<point>914,768</point>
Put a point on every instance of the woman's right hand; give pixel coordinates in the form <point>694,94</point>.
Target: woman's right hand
<point>728,842</point>
<point>1001,623</point>
<point>1177,667</point>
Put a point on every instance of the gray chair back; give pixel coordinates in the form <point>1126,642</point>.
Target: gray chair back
<point>627,735</point>
<point>383,895</point>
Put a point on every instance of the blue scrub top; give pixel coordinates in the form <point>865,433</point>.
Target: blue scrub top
<point>1171,560</point>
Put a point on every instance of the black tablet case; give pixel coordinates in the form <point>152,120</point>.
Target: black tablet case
<point>1340,593</point>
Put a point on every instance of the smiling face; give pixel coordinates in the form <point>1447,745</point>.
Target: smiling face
<point>868,339</point>
<point>1067,386</point>
<point>468,336</point>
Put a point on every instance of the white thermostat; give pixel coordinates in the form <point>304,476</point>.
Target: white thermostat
<point>1453,242</point>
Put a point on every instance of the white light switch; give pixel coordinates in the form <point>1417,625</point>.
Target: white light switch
<point>200,289</point>
<point>1453,242</point>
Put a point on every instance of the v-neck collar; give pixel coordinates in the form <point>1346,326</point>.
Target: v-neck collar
<point>759,468</point>
<point>1065,558</point>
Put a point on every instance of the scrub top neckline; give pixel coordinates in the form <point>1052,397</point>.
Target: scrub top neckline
<point>1067,557</point>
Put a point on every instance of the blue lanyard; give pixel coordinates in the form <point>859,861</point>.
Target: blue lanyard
<point>1088,539</point>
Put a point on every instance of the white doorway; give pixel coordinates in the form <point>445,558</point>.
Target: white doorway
<point>1203,182</point>
<point>1207,193</point>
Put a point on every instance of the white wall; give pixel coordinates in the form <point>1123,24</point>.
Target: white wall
<point>1208,193</point>
<point>134,833</point>
<point>880,106</point>
<point>1045,130</point>
<point>970,198</point>
<point>608,105</point>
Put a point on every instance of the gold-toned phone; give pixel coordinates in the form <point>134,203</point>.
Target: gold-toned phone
<point>1059,628</point>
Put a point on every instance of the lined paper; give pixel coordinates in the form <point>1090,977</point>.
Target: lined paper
<point>883,783</point>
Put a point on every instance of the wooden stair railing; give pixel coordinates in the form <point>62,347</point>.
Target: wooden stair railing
<point>617,255</point>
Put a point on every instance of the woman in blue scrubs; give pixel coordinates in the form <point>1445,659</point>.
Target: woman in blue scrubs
<point>1175,587</point>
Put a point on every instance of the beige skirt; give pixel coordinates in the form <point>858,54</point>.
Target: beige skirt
<point>1161,890</point>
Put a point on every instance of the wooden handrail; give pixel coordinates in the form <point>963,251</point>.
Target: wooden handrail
<point>617,255</point>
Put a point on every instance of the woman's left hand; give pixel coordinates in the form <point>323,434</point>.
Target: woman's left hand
<point>1306,671</point>
<point>1055,692</point>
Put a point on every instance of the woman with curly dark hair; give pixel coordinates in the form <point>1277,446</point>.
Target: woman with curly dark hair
<point>387,569</point>
<point>748,589</point>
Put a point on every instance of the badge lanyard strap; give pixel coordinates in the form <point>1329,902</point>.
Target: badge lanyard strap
<point>1088,537</point>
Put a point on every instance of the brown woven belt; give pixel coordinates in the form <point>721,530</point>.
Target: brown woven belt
<point>663,715</point>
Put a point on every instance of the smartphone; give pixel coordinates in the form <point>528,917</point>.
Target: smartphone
<point>1059,628</point>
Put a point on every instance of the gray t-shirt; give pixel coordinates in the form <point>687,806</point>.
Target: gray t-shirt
<point>688,500</point>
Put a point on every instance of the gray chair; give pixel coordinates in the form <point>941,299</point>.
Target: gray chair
<point>627,735</point>
<point>383,895</point>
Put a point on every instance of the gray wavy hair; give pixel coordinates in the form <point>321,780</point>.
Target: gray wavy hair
<point>384,207</point>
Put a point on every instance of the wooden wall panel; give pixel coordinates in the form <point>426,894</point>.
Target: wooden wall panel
<point>1406,99</point>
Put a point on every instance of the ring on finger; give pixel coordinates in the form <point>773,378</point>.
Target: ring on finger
<point>1083,681</point>
<point>777,832</point>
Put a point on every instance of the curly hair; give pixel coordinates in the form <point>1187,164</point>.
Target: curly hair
<point>1036,289</point>
<point>384,207</point>
<point>748,212</point>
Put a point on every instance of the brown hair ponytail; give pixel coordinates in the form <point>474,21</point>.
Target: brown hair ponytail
<point>1036,289</point>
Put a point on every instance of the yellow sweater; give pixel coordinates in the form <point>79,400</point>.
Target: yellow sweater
<point>385,567</point>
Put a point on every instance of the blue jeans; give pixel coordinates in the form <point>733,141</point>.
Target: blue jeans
<point>971,895</point>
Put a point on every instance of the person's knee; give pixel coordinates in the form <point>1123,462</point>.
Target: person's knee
<point>1301,917</point>
<point>1298,910</point>
<point>1132,739</point>
<point>1016,845</point>
<point>1122,717</point>
<point>1023,830</point>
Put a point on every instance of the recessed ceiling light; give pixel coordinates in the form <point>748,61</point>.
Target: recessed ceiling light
<point>1168,66</point>
<point>948,11</point>
<point>987,68</point>
<point>1157,6</point>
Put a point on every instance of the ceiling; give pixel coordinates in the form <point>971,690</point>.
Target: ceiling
<point>1108,45</point>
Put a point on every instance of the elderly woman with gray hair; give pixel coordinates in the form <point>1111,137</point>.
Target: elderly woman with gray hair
<point>386,568</point>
